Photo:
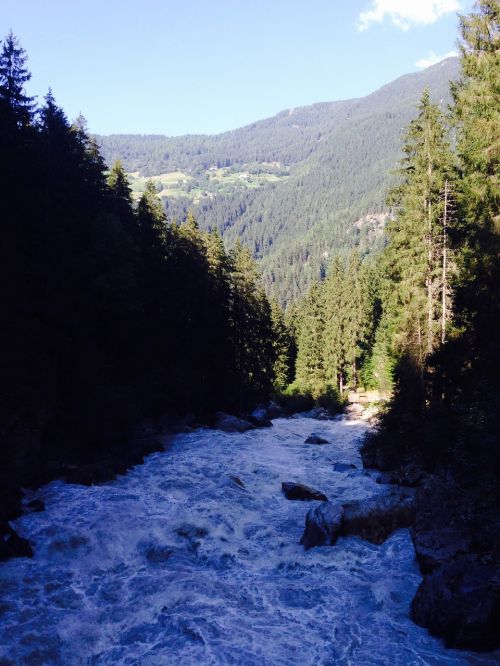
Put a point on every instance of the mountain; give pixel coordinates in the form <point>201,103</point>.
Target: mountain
<point>296,187</point>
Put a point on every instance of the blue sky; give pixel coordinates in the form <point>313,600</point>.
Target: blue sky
<point>205,66</point>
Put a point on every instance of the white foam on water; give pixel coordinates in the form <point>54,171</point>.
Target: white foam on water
<point>175,563</point>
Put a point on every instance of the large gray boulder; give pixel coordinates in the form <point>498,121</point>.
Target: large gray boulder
<point>275,411</point>
<point>316,439</point>
<point>297,491</point>
<point>460,602</point>
<point>322,525</point>
<point>374,519</point>
<point>229,423</point>
<point>319,413</point>
<point>343,467</point>
<point>260,418</point>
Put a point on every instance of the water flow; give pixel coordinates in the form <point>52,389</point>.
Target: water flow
<point>177,563</point>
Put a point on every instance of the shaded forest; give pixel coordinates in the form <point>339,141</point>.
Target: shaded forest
<point>113,317</point>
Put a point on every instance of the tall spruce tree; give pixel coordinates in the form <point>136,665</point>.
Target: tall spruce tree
<point>120,188</point>
<point>283,348</point>
<point>252,328</point>
<point>477,118</point>
<point>333,298</point>
<point>357,312</point>
<point>16,107</point>
<point>310,366</point>
<point>413,259</point>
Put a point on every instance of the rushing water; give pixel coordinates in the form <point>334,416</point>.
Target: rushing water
<point>175,563</point>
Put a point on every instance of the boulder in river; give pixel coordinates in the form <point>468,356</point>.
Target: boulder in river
<point>374,519</point>
<point>316,439</point>
<point>343,467</point>
<point>274,411</point>
<point>322,525</point>
<point>237,480</point>
<point>260,418</point>
<point>460,602</point>
<point>297,491</point>
<point>319,413</point>
<point>229,423</point>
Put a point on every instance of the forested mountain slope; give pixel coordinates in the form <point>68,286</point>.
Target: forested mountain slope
<point>295,187</point>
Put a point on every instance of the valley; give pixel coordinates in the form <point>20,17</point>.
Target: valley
<point>292,187</point>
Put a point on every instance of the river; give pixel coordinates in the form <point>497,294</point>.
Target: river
<point>176,563</point>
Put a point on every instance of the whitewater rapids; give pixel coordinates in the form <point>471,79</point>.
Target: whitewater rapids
<point>176,563</point>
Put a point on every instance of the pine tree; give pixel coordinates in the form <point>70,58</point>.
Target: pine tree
<point>252,328</point>
<point>57,148</point>
<point>356,313</point>
<point>283,348</point>
<point>413,260</point>
<point>217,258</point>
<point>15,105</point>
<point>310,366</point>
<point>152,218</point>
<point>118,183</point>
<point>477,118</point>
<point>334,316</point>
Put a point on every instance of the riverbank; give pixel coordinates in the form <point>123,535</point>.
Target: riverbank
<point>456,536</point>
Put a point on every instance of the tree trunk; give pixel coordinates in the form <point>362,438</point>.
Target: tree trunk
<point>430,333</point>
<point>444,277</point>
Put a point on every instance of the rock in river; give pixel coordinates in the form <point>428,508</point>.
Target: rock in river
<point>322,525</point>
<point>316,439</point>
<point>374,519</point>
<point>230,423</point>
<point>260,418</point>
<point>343,467</point>
<point>460,602</point>
<point>297,491</point>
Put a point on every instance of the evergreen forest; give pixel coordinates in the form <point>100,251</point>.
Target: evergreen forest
<point>112,314</point>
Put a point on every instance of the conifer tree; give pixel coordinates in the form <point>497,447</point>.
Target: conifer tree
<point>283,348</point>
<point>218,260</point>
<point>118,183</point>
<point>217,333</point>
<point>310,366</point>
<point>413,259</point>
<point>252,327</point>
<point>152,219</point>
<point>15,104</point>
<point>477,119</point>
<point>334,293</point>
<point>356,313</point>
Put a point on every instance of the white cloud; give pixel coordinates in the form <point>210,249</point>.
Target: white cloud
<point>433,59</point>
<point>405,13</point>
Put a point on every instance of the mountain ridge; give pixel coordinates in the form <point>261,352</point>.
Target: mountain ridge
<point>293,185</point>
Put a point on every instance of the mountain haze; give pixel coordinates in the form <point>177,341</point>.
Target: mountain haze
<point>296,187</point>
